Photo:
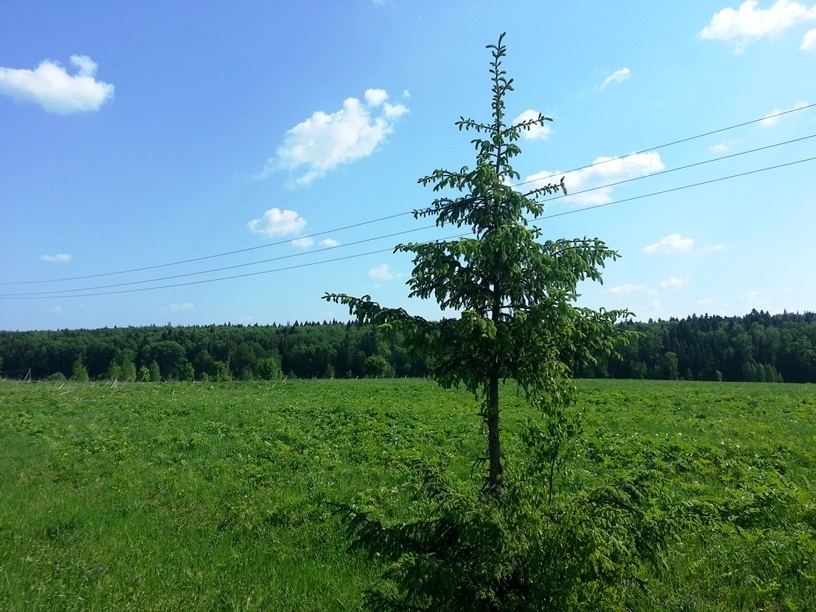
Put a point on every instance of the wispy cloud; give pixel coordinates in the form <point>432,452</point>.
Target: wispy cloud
<point>726,146</point>
<point>717,248</point>
<point>673,243</point>
<point>535,132</point>
<point>183,307</point>
<point>752,299</point>
<point>277,222</point>
<point>616,77</point>
<point>383,273</point>
<point>776,114</point>
<point>303,243</point>
<point>675,283</point>
<point>54,90</point>
<point>60,258</point>
<point>324,141</point>
<point>749,23</point>
<point>625,289</point>
<point>597,179</point>
<point>55,310</point>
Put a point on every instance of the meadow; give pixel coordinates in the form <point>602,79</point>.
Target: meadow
<point>212,496</point>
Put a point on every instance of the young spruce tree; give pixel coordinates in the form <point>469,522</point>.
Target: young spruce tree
<point>546,537</point>
<point>515,292</point>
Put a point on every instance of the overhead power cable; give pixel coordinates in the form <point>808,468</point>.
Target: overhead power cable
<point>669,144</point>
<point>62,292</point>
<point>205,257</point>
<point>673,189</point>
<point>358,255</point>
<point>406,213</point>
<point>303,254</point>
<point>686,167</point>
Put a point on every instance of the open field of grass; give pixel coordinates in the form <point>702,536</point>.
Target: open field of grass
<point>208,496</point>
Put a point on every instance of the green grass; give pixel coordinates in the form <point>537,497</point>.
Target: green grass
<point>207,496</point>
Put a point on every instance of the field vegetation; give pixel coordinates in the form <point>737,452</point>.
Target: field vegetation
<point>213,496</point>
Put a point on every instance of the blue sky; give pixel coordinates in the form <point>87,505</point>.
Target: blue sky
<point>280,144</point>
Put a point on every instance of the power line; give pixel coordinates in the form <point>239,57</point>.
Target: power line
<point>669,144</point>
<point>62,292</point>
<point>402,214</point>
<point>333,260</point>
<point>292,256</point>
<point>205,257</point>
<point>686,167</point>
<point>664,191</point>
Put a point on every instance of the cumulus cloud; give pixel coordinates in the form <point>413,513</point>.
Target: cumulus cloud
<point>616,77</point>
<point>303,243</point>
<point>776,114</point>
<point>382,273</point>
<point>277,222</point>
<point>329,242</point>
<point>749,23</point>
<point>594,184</point>
<point>326,140</point>
<point>53,89</point>
<point>674,283</point>
<point>536,132</point>
<point>184,307</point>
<point>809,41</point>
<point>59,258</point>
<point>625,289</point>
<point>673,243</point>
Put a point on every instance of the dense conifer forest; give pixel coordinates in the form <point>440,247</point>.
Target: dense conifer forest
<point>756,347</point>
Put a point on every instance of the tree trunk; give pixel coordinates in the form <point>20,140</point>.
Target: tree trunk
<point>495,478</point>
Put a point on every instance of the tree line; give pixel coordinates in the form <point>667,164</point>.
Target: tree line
<point>756,347</point>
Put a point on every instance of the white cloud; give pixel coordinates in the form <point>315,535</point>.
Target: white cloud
<point>616,77</point>
<point>536,132</point>
<point>726,146</point>
<point>303,243</point>
<point>626,289</point>
<point>595,180</point>
<point>751,299</point>
<point>60,258</point>
<point>749,23</point>
<point>705,302</point>
<point>327,140</point>
<point>809,41</point>
<point>774,116</point>
<point>673,243</point>
<point>717,248</point>
<point>184,307</point>
<point>375,97</point>
<point>329,242</point>
<point>55,310</point>
<point>382,273</point>
<point>52,88</point>
<point>674,283</point>
<point>277,222</point>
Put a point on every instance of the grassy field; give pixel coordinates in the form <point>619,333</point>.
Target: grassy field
<point>208,496</point>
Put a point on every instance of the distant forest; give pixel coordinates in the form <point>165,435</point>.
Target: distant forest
<point>758,347</point>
